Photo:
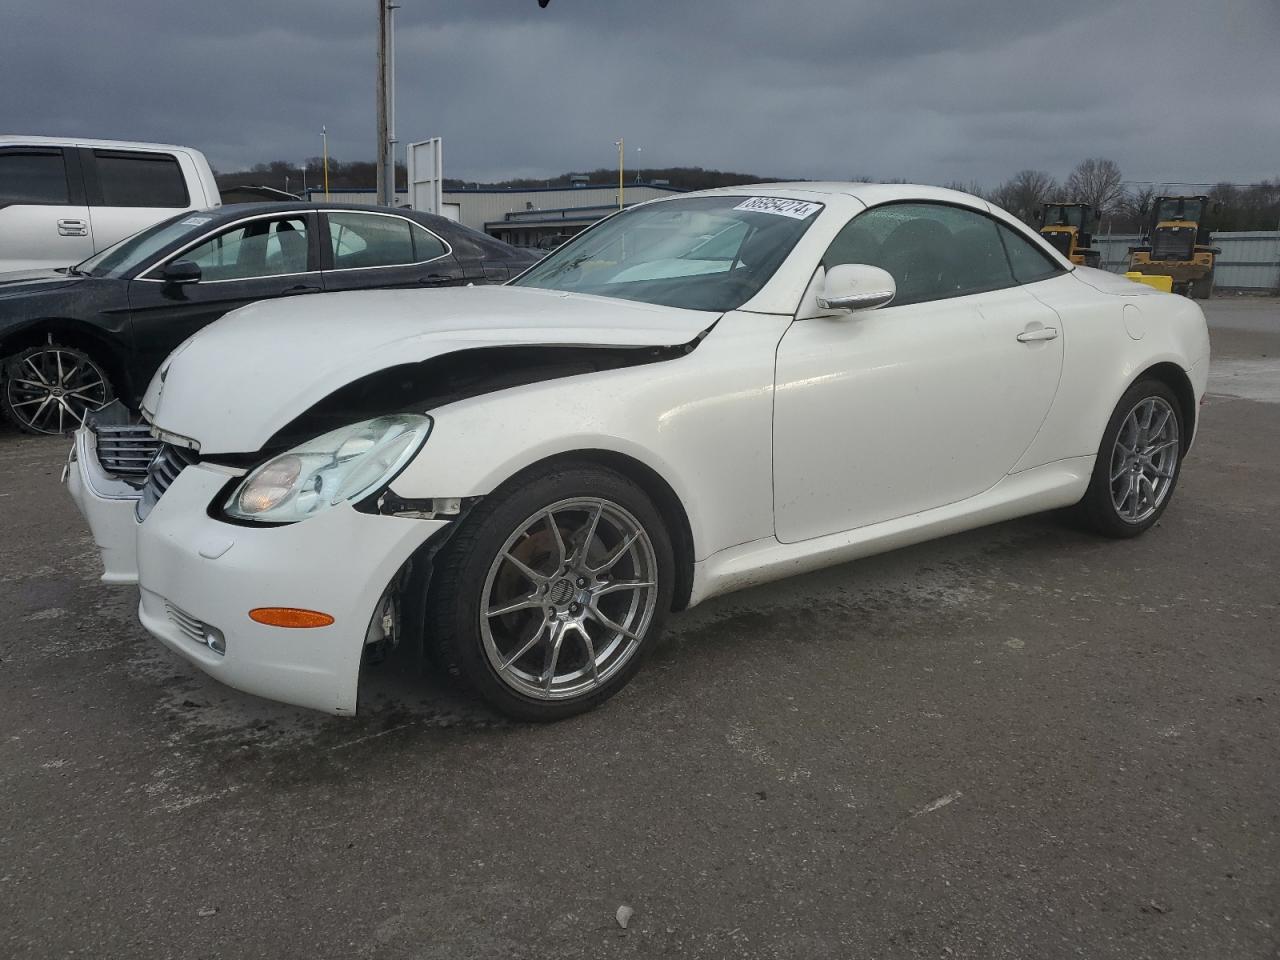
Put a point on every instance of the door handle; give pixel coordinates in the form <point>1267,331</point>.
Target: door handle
<point>73,228</point>
<point>1044,333</point>
<point>302,288</point>
<point>434,279</point>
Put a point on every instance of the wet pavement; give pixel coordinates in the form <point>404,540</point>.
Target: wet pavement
<point>1017,742</point>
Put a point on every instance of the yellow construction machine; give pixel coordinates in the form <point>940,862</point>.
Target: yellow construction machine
<point>1069,227</point>
<point>1178,246</point>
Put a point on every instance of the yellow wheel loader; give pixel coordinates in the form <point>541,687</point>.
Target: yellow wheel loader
<point>1178,246</point>
<point>1069,227</point>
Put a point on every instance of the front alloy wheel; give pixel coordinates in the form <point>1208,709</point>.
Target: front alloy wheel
<point>49,389</point>
<point>568,599</point>
<point>546,598</point>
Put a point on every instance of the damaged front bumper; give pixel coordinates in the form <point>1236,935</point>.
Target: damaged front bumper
<point>108,504</point>
<point>199,577</point>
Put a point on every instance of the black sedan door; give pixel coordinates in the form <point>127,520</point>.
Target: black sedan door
<point>256,259</point>
<point>366,250</point>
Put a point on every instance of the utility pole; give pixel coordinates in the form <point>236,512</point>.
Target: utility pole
<point>386,176</point>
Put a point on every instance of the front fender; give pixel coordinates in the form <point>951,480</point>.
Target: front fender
<point>702,422</point>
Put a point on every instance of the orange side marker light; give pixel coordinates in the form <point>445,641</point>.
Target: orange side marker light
<point>289,617</point>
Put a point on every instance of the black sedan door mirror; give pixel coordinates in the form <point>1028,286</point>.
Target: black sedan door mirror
<point>181,272</point>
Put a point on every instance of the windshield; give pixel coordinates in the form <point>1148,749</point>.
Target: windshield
<point>699,253</point>
<point>1060,216</point>
<point>1169,209</point>
<point>132,252</point>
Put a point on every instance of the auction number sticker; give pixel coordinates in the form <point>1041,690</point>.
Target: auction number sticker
<point>196,221</point>
<point>796,209</point>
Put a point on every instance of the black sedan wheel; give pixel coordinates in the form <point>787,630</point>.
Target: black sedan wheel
<point>49,389</point>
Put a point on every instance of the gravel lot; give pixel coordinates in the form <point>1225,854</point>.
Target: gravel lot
<point>1017,742</point>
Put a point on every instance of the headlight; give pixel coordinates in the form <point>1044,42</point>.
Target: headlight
<point>346,464</point>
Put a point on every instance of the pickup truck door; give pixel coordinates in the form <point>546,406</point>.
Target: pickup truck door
<point>44,219</point>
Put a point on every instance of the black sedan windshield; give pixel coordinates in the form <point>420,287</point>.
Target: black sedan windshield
<point>699,253</point>
<point>121,259</point>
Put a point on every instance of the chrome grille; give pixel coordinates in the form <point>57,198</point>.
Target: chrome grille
<point>125,451</point>
<point>161,473</point>
<point>192,628</point>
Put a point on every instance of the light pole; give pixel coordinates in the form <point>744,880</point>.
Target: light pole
<point>621,146</point>
<point>324,139</point>
<point>387,101</point>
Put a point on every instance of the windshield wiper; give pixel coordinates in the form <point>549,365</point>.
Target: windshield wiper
<point>571,265</point>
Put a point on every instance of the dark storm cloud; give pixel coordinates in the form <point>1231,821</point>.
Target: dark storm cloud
<point>933,90</point>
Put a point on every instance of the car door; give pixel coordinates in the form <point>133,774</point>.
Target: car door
<point>129,190</point>
<point>259,258</point>
<point>44,219</point>
<point>930,400</point>
<point>376,249</point>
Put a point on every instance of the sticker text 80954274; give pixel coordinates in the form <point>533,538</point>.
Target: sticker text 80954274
<point>781,206</point>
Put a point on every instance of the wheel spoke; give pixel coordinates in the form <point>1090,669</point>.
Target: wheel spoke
<point>532,575</point>
<point>591,652</point>
<point>616,554</point>
<point>608,624</point>
<point>554,641</point>
<point>1151,451</point>
<point>524,603</point>
<point>1158,429</point>
<point>529,645</point>
<point>559,539</point>
<point>38,372</point>
<point>615,585</point>
<point>588,534</point>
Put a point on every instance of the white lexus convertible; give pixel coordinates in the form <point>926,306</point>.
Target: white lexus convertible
<point>698,394</point>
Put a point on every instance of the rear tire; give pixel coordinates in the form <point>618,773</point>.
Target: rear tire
<point>48,389</point>
<point>1138,463</point>
<point>581,561</point>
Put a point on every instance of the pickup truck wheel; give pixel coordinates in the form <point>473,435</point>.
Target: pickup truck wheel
<point>49,389</point>
<point>553,592</point>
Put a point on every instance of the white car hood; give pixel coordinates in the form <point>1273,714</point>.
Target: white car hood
<point>231,386</point>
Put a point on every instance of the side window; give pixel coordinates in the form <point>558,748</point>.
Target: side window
<point>1029,263</point>
<point>933,251</point>
<point>140,179</point>
<point>33,175</point>
<point>259,248</point>
<point>426,245</point>
<point>369,240</point>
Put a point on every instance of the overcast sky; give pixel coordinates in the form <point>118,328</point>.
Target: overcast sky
<point>931,91</point>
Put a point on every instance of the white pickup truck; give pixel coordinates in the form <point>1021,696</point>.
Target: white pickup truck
<point>64,199</point>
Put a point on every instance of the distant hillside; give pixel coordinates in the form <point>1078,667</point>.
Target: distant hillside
<point>359,173</point>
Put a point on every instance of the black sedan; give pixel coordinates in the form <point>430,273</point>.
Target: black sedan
<point>72,339</point>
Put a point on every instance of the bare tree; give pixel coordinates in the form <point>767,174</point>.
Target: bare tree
<point>973,187</point>
<point>1096,181</point>
<point>1024,193</point>
<point>1133,212</point>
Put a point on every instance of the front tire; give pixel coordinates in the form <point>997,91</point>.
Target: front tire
<point>48,389</point>
<point>1138,463</point>
<point>552,593</point>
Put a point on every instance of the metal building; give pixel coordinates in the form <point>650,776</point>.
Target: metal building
<point>526,217</point>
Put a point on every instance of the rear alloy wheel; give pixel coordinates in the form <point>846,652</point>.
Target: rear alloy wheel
<point>550,595</point>
<point>1138,463</point>
<point>49,389</point>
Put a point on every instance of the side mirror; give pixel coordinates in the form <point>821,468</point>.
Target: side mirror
<point>181,272</point>
<point>856,286</point>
